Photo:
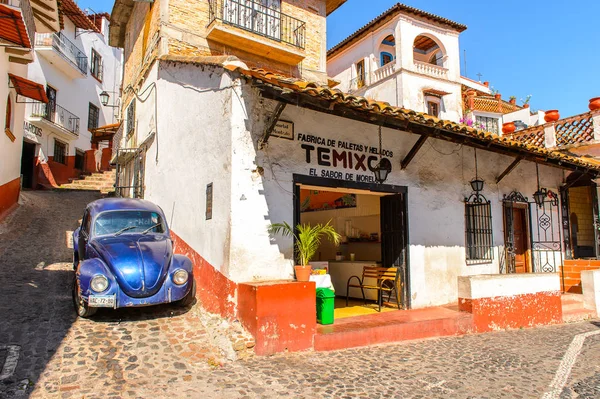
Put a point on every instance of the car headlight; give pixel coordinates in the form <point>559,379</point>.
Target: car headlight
<point>99,283</point>
<point>180,277</point>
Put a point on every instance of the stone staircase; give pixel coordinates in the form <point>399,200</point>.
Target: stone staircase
<point>573,310</point>
<point>102,182</point>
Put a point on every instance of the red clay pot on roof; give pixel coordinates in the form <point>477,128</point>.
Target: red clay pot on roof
<point>552,115</point>
<point>594,103</point>
<point>508,127</point>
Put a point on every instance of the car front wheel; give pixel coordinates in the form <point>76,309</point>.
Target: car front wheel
<point>189,298</point>
<point>81,308</point>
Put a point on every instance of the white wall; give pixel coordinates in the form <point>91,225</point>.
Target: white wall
<point>215,140</point>
<point>191,148</point>
<point>437,181</point>
<point>75,95</point>
<point>10,152</point>
<point>405,87</point>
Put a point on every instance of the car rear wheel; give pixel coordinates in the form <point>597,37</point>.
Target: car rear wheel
<point>189,298</point>
<point>81,308</point>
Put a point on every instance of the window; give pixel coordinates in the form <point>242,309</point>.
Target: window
<point>386,58</point>
<point>96,68</point>
<point>360,74</point>
<point>486,123</point>
<point>209,200</point>
<point>93,117</point>
<point>433,109</point>
<point>60,152</point>
<point>79,159</point>
<point>86,224</point>
<point>479,240</point>
<point>129,222</point>
<point>130,118</point>
<point>8,120</point>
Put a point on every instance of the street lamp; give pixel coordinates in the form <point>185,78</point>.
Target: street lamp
<point>104,97</point>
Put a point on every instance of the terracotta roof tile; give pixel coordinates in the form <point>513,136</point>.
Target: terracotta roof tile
<point>70,9</point>
<point>390,13</point>
<point>335,96</point>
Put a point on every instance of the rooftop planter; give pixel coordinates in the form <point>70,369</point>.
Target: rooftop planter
<point>552,115</point>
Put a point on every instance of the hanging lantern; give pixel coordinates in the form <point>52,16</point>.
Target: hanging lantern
<point>477,185</point>
<point>382,170</point>
<point>540,195</point>
<point>384,167</point>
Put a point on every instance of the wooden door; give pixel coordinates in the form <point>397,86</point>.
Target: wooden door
<point>521,238</point>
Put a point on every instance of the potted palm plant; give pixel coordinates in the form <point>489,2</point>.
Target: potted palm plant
<point>307,240</point>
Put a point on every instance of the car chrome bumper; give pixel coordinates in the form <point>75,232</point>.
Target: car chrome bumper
<point>167,294</point>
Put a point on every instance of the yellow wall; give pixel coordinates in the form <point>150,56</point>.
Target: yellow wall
<point>580,204</point>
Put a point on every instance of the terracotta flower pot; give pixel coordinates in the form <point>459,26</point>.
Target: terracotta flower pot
<point>525,105</point>
<point>552,115</point>
<point>498,96</point>
<point>594,103</point>
<point>508,127</point>
<point>303,272</point>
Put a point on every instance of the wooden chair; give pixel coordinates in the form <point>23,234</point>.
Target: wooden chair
<point>386,279</point>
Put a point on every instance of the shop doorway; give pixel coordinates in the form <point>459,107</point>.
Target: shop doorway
<point>372,220</point>
<point>27,164</point>
<point>580,217</point>
<point>517,238</point>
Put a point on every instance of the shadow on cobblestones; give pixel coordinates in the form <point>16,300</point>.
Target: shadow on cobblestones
<point>36,273</point>
<point>140,314</point>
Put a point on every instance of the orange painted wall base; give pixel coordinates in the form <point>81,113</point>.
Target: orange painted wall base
<point>527,310</point>
<point>281,315</point>
<point>215,291</point>
<point>9,196</point>
<point>571,272</point>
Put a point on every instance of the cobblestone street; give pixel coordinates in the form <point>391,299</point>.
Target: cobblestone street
<point>167,352</point>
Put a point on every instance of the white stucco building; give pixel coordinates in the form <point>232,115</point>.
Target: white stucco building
<point>20,21</point>
<point>227,148</point>
<point>75,65</point>
<point>405,56</point>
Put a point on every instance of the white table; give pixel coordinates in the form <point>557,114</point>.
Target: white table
<point>322,281</point>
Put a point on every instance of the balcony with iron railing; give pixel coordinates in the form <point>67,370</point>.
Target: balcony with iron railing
<point>63,53</point>
<point>274,34</point>
<point>56,116</point>
<point>24,7</point>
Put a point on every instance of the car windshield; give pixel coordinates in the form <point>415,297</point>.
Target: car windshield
<point>123,222</point>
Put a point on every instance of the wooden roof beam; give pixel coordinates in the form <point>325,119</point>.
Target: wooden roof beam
<point>509,169</point>
<point>413,151</point>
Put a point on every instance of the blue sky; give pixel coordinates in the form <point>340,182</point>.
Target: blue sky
<point>546,48</point>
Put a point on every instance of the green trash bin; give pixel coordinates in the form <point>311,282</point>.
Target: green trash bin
<point>325,302</point>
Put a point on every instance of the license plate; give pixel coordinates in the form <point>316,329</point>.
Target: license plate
<point>99,301</point>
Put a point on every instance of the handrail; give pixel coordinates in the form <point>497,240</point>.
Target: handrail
<point>257,18</point>
<point>57,115</point>
<point>65,47</point>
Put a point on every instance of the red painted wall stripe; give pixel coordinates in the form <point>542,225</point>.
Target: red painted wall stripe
<point>9,196</point>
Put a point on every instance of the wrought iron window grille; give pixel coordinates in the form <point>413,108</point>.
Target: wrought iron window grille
<point>479,238</point>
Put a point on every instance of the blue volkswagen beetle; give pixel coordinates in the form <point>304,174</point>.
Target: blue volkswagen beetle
<point>123,257</point>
